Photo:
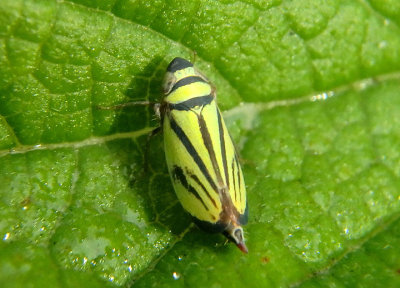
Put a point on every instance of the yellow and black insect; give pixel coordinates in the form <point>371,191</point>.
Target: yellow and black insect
<point>201,157</point>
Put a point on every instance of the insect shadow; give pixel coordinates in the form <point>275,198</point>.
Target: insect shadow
<point>142,160</point>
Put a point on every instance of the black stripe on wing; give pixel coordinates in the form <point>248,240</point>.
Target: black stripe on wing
<point>178,175</point>
<point>197,180</point>
<point>238,174</point>
<point>223,149</point>
<point>235,188</point>
<point>205,134</point>
<point>192,152</point>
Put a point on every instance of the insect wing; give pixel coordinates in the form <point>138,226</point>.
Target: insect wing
<point>202,161</point>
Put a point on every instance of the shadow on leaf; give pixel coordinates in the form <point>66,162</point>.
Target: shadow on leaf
<point>153,183</point>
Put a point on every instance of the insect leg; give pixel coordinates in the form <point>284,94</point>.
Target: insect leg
<point>194,56</point>
<point>128,104</point>
<point>155,132</point>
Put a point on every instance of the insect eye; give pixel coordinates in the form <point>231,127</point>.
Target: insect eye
<point>238,234</point>
<point>169,82</point>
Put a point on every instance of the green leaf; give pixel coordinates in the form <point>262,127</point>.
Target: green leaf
<point>309,89</point>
